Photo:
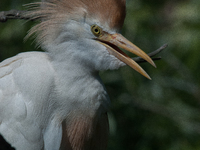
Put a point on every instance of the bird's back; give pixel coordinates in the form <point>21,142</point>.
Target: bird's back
<point>26,81</point>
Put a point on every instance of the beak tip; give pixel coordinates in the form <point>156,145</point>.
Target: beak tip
<point>153,64</point>
<point>148,77</point>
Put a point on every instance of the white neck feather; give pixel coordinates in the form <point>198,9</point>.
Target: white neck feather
<point>79,87</point>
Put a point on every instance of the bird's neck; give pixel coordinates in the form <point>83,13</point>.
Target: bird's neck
<point>78,85</point>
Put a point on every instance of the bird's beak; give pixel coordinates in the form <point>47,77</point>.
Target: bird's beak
<point>113,41</point>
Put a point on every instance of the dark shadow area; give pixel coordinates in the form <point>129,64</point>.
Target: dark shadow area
<point>5,145</point>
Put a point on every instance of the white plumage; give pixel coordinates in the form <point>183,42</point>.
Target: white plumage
<point>55,99</point>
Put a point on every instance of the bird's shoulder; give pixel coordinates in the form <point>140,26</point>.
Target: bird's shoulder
<point>26,74</point>
<point>28,66</point>
<point>27,61</point>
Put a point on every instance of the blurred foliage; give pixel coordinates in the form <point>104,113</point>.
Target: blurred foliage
<point>162,114</point>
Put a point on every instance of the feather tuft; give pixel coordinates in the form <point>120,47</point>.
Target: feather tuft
<point>54,13</point>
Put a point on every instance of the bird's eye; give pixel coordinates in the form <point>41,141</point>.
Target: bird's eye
<point>96,30</point>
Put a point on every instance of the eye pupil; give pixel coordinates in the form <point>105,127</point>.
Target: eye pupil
<point>96,30</point>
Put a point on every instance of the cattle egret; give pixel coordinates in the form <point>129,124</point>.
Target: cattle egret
<point>55,99</point>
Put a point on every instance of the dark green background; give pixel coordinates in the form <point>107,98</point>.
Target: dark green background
<point>162,114</point>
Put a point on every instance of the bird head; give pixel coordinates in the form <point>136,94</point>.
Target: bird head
<point>87,28</point>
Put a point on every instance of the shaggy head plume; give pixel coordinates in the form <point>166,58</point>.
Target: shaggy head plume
<point>56,12</point>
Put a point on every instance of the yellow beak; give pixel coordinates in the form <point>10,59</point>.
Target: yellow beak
<point>113,41</point>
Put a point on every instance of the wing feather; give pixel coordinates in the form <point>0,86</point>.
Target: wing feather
<point>26,82</point>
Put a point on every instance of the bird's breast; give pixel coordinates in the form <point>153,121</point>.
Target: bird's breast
<point>79,92</point>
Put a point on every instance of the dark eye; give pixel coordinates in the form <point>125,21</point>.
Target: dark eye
<point>96,30</point>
